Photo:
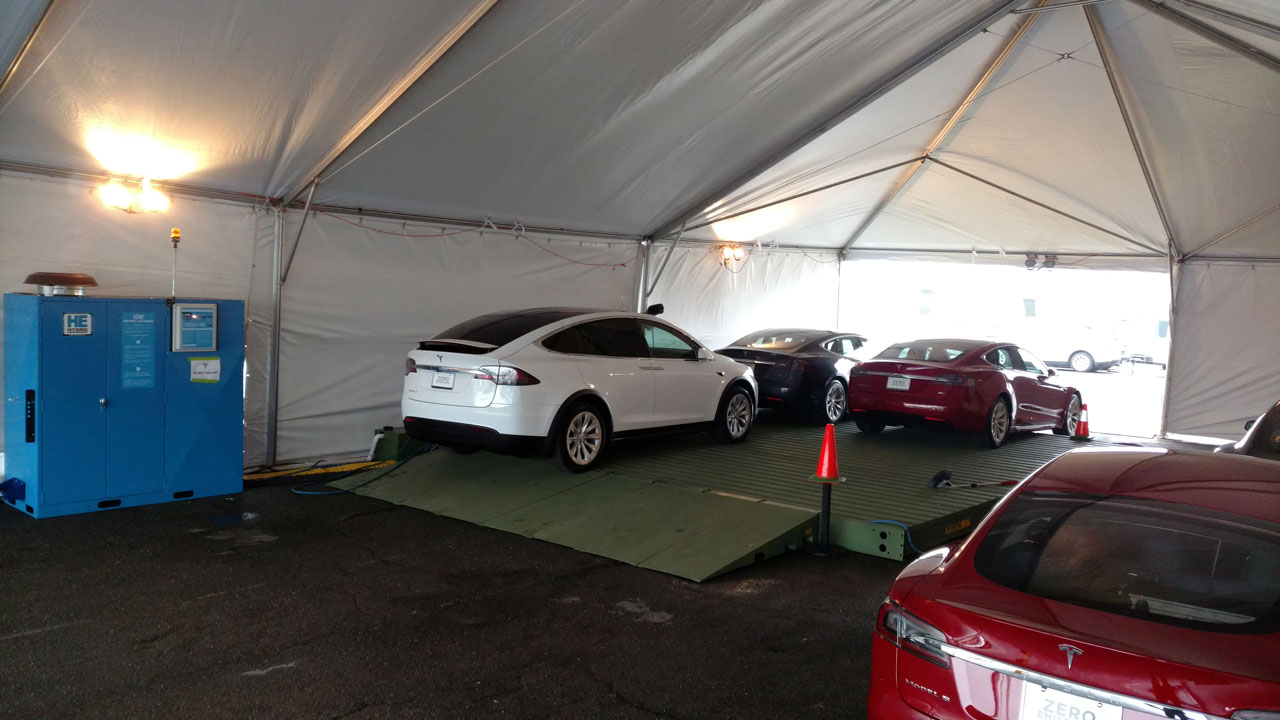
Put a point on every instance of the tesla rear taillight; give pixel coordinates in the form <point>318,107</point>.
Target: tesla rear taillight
<point>410,366</point>
<point>949,379</point>
<point>503,375</point>
<point>859,371</point>
<point>911,633</point>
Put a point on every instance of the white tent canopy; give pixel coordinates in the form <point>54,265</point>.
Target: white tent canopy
<point>585,136</point>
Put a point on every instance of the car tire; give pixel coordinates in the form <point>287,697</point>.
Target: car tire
<point>1070,418</point>
<point>833,404</point>
<point>999,423</point>
<point>734,416</point>
<point>1081,361</point>
<point>580,437</point>
<point>869,426</point>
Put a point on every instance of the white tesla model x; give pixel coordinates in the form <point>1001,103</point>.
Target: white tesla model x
<point>567,382</point>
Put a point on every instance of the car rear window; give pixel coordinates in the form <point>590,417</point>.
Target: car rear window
<point>498,329</point>
<point>1159,561</point>
<point>930,350</point>
<point>777,340</point>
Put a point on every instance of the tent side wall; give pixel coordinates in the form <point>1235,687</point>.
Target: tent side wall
<point>719,304</point>
<point>362,292</point>
<point>1222,365</point>
<point>59,225</point>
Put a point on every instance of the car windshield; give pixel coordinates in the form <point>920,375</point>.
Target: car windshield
<point>777,339</point>
<point>1160,561</point>
<point>943,351</point>
<point>498,329</point>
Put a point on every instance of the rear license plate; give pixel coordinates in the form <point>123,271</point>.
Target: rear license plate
<point>898,383</point>
<point>1047,704</point>
<point>443,380</point>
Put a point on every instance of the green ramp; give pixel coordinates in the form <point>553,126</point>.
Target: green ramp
<point>689,532</point>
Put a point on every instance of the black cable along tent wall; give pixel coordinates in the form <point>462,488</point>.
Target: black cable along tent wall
<point>366,177</point>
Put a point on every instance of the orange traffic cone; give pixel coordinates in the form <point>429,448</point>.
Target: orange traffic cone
<point>828,471</point>
<point>827,474</point>
<point>1082,427</point>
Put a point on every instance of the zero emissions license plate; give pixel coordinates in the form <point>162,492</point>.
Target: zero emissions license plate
<point>1047,704</point>
<point>898,383</point>
<point>442,380</point>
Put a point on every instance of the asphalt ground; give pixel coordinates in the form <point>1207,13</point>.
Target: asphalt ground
<point>272,605</point>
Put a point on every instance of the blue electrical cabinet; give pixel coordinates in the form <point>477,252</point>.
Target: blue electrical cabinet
<point>116,402</point>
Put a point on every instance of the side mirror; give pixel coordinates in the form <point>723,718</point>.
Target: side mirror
<point>1249,425</point>
<point>1052,373</point>
<point>705,354</point>
<point>655,309</point>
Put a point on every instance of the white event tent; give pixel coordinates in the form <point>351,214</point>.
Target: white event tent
<point>366,174</point>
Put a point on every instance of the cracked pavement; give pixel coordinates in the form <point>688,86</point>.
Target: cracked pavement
<point>271,605</point>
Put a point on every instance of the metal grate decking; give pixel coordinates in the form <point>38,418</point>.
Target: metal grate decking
<point>887,475</point>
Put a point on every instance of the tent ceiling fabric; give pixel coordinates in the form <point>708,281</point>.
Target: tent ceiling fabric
<point>690,95</point>
<point>611,116</point>
<point>255,92</point>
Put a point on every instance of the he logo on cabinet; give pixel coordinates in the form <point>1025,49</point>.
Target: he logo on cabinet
<point>77,323</point>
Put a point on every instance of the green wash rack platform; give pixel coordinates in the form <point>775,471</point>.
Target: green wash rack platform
<point>689,506</point>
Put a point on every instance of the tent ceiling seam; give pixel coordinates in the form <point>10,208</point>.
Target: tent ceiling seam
<point>1233,18</point>
<point>386,101</point>
<point>1232,231</point>
<point>797,196</point>
<point>1050,208</point>
<point>1107,54</point>
<point>950,125</point>
<point>458,87</point>
<point>1162,10</point>
<point>26,45</point>
<point>885,85</point>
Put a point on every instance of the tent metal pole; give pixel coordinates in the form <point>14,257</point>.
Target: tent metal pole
<point>1050,208</point>
<point>1175,275</point>
<point>1055,6</point>
<point>1008,252</point>
<point>1232,18</point>
<point>273,357</point>
<point>306,210</point>
<point>22,52</point>
<point>1233,231</point>
<point>386,101</point>
<point>938,139</point>
<point>789,198</point>
<point>642,272</point>
<point>1108,63</point>
<point>1187,22</point>
<point>663,267</point>
<point>899,75</point>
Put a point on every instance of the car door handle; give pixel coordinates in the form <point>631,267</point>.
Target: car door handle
<point>650,367</point>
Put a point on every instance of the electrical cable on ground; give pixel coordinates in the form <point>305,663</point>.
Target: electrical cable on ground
<point>297,489</point>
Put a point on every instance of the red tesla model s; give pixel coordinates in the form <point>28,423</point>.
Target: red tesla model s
<point>969,385</point>
<point>1111,584</point>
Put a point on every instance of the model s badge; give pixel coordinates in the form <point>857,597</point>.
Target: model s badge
<point>1072,651</point>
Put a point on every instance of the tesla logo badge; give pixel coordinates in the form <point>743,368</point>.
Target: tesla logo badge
<point>1072,651</point>
<point>440,358</point>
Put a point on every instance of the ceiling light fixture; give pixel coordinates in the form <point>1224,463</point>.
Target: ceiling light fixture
<point>145,198</point>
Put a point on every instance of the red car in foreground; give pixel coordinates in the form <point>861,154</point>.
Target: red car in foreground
<point>1111,584</point>
<point>968,385</point>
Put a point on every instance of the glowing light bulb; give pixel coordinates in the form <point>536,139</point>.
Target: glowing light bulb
<point>115,195</point>
<point>153,200</point>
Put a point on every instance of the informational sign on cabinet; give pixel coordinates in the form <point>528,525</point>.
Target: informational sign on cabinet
<point>138,350</point>
<point>195,327</point>
<point>205,369</point>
